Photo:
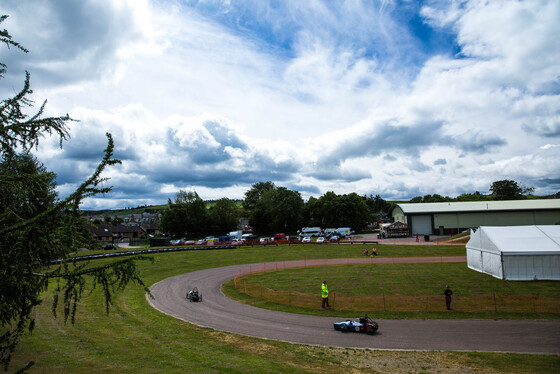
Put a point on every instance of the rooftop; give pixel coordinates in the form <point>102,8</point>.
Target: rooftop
<point>477,206</point>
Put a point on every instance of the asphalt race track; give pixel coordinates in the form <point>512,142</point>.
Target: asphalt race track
<point>219,312</point>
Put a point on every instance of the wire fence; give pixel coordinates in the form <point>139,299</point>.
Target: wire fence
<point>489,302</point>
<point>405,303</point>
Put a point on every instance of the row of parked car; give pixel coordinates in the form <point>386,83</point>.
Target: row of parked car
<point>253,239</point>
<point>321,239</point>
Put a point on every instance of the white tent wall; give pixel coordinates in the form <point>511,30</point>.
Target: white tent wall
<point>474,259</point>
<point>516,252</point>
<point>492,264</point>
<point>483,255</point>
<point>540,267</point>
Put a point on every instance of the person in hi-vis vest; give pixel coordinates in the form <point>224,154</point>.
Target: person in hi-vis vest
<point>325,295</point>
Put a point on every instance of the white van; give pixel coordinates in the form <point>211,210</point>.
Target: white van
<point>344,232</point>
<point>310,231</point>
<point>235,235</point>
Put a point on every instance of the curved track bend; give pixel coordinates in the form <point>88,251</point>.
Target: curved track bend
<point>222,313</point>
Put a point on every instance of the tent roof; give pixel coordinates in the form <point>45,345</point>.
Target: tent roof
<point>515,240</point>
<point>480,206</point>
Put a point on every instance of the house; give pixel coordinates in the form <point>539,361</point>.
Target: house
<point>107,233</point>
<point>150,228</point>
<point>102,233</point>
<point>126,233</point>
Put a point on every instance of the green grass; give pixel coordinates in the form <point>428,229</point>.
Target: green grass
<point>135,338</point>
<point>401,291</point>
<point>401,279</point>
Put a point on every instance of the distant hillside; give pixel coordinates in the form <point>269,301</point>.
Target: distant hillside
<point>141,209</point>
<point>124,212</point>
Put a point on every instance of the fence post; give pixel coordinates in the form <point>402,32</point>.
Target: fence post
<point>535,297</point>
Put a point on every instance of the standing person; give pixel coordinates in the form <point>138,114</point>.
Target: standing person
<point>448,294</point>
<point>325,295</point>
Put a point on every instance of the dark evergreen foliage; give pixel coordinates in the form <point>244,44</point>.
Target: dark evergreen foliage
<point>35,227</point>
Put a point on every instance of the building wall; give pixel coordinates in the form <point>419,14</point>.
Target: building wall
<point>459,221</point>
<point>398,215</point>
<point>448,222</point>
<point>421,224</point>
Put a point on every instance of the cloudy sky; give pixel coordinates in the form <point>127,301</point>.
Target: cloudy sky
<point>396,98</point>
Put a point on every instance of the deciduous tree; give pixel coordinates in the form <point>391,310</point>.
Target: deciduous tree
<point>253,195</point>
<point>224,216</point>
<point>509,190</point>
<point>277,210</point>
<point>186,216</point>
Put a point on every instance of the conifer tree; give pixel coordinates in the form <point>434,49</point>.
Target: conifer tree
<point>36,227</point>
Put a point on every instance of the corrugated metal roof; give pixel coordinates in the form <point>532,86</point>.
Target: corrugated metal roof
<point>479,206</point>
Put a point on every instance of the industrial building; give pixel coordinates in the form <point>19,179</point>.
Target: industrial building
<point>454,217</point>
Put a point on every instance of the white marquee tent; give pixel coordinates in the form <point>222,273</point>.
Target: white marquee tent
<point>516,252</point>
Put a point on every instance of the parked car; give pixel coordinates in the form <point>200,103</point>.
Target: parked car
<point>306,239</point>
<point>280,238</point>
<point>249,239</point>
<point>334,238</point>
<point>265,240</point>
<point>110,247</point>
<point>320,239</point>
<point>201,242</point>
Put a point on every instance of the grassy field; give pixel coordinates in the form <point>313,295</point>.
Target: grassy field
<point>403,291</point>
<point>135,338</point>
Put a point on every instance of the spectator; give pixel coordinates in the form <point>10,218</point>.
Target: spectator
<point>448,294</point>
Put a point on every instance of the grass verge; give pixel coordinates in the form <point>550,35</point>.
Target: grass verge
<point>135,338</point>
<point>399,290</point>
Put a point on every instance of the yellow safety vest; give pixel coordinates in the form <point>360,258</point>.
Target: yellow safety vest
<point>324,291</point>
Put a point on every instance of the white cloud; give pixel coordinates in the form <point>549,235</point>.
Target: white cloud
<point>312,95</point>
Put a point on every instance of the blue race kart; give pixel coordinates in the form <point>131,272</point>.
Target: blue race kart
<point>365,324</point>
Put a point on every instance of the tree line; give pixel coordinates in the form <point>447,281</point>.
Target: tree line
<point>271,209</point>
